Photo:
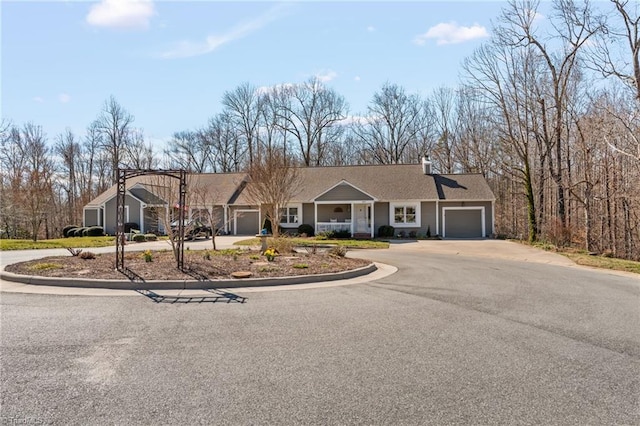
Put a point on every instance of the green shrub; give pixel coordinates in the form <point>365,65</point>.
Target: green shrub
<point>326,235</point>
<point>66,229</point>
<point>95,231</point>
<point>151,237</point>
<point>77,232</point>
<point>139,238</point>
<point>342,234</point>
<point>306,229</point>
<point>386,231</point>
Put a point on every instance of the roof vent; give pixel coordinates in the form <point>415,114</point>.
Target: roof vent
<point>426,165</point>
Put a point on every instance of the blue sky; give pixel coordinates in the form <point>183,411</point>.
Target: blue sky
<point>169,63</point>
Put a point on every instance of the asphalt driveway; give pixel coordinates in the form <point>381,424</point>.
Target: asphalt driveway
<point>457,335</point>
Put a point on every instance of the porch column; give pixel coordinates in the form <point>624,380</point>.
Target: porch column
<point>225,218</point>
<point>351,218</point>
<point>142,207</point>
<point>373,218</point>
<point>315,217</point>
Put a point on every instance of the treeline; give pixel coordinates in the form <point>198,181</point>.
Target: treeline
<point>548,110</point>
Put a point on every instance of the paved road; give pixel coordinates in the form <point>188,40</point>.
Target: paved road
<point>459,337</point>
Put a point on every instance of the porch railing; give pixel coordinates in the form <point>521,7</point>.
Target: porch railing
<point>333,226</point>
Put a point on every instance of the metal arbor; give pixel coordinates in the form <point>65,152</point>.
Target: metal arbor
<point>123,175</point>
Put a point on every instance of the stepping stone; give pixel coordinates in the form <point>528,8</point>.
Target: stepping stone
<point>241,274</point>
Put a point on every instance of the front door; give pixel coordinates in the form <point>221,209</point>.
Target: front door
<point>362,218</point>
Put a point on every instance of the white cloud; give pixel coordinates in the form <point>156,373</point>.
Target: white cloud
<point>326,76</point>
<point>38,99</point>
<point>371,28</point>
<point>124,14</point>
<point>64,98</point>
<point>186,49</point>
<point>356,78</point>
<point>451,33</point>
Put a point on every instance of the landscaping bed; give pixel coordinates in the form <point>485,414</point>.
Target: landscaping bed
<point>205,264</point>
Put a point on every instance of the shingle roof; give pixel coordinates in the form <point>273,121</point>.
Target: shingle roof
<point>384,182</point>
<point>389,183</point>
<point>220,188</point>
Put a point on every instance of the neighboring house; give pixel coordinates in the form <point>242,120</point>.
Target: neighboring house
<point>358,199</point>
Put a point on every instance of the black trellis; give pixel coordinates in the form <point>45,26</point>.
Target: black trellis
<point>123,175</point>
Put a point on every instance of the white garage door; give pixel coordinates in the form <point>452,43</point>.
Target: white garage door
<point>464,222</point>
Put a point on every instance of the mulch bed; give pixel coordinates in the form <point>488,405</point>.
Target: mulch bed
<point>217,265</point>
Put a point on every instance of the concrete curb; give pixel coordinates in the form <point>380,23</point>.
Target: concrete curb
<point>185,284</point>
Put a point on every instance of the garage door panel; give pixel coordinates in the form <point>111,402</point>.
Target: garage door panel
<point>463,223</point>
<point>247,223</point>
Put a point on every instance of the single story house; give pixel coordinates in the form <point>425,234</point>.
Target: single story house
<point>357,199</point>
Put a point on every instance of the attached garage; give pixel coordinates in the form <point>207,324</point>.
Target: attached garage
<point>463,222</point>
<point>247,222</point>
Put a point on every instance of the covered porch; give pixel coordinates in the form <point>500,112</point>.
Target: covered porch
<point>355,217</point>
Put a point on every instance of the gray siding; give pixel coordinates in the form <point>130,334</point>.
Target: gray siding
<point>428,217</point>
<point>308,212</point>
<point>344,192</point>
<point>380,216</point>
<point>110,219</point>
<point>90,217</point>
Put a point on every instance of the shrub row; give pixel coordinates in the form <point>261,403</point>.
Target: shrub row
<point>82,231</point>
<point>140,238</point>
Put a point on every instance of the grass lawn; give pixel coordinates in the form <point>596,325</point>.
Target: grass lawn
<point>585,259</point>
<point>604,262</point>
<point>75,242</point>
<point>308,242</point>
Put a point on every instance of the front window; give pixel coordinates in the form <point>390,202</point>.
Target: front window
<point>289,216</point>
<point>405,215</point>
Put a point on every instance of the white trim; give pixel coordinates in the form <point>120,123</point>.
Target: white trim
<point>292,225</point>
<point>142,207</point>
<point>373,219</point>
<point>437,217</point>
<point>225,215</point>
<point>482,218</point>
<point>338,184</point>
<point>418,207</point>
<point>235,218</point>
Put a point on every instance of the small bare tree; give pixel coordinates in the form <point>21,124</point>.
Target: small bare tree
<point>210,207</point>
<point>274,180</point>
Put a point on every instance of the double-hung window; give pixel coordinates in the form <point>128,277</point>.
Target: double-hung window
<point>290,215</point>
<point>407,215</point>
